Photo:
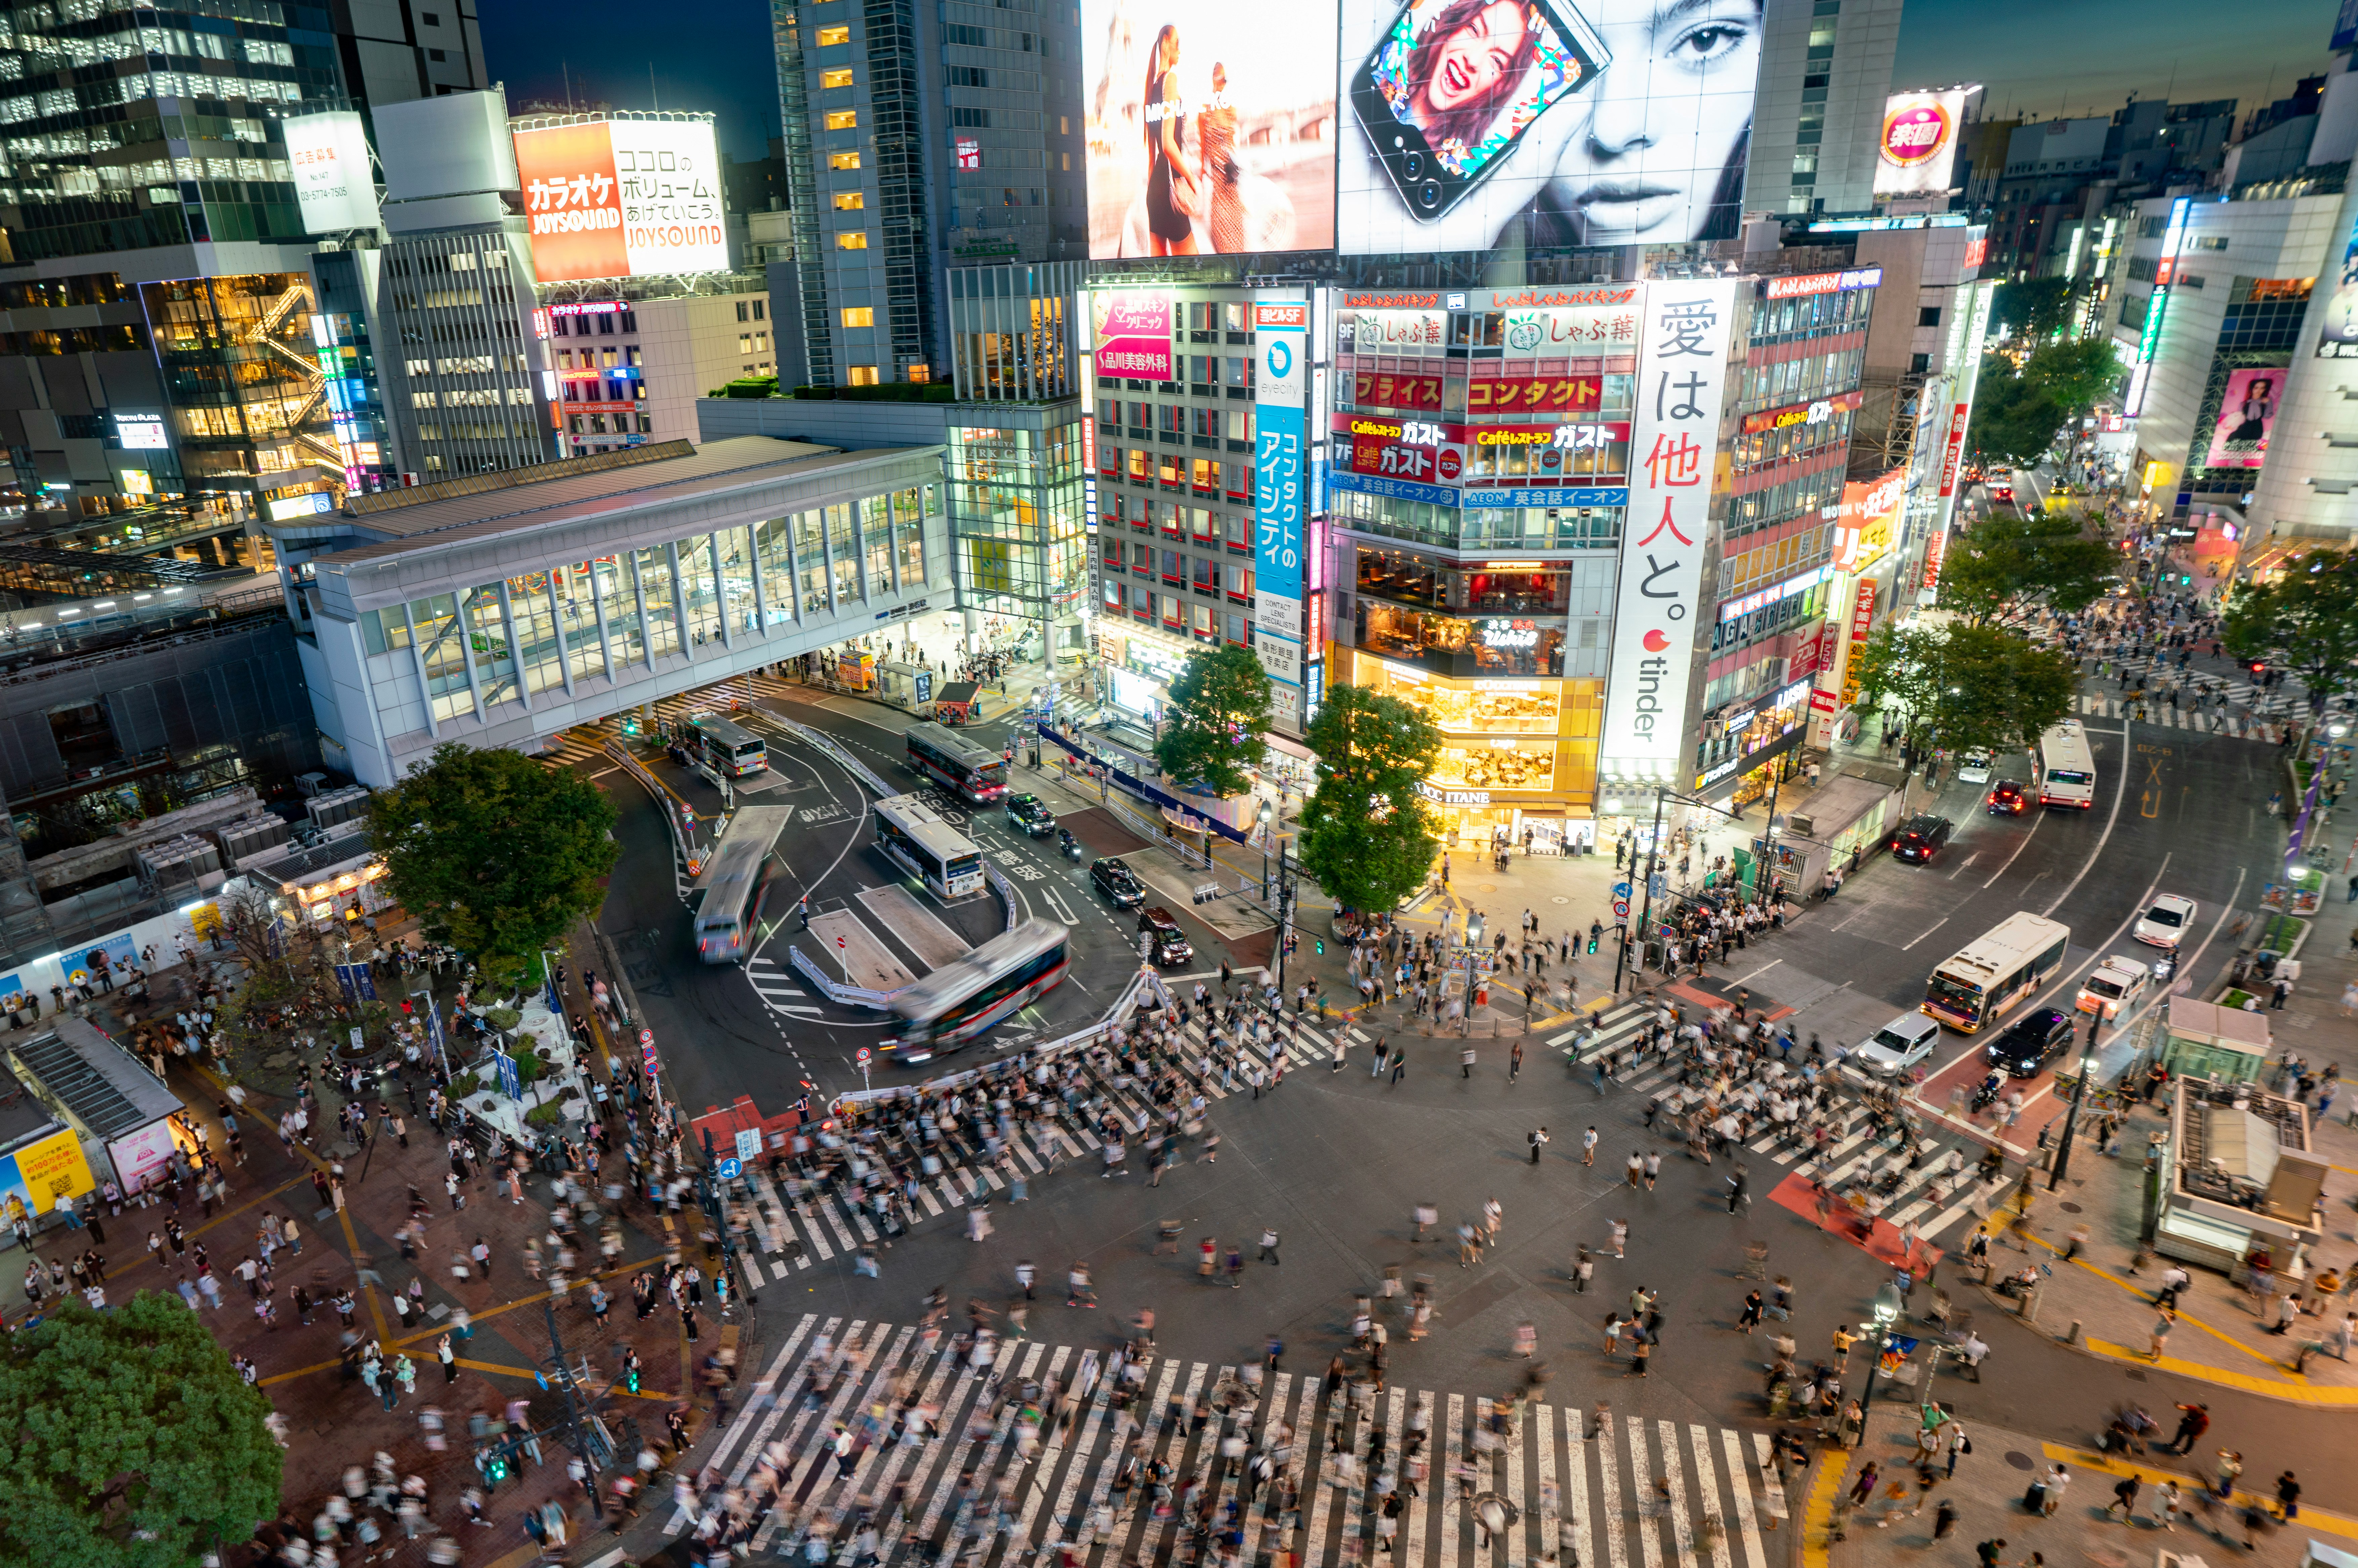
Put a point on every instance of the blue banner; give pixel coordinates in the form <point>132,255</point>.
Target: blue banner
<point>434,1029</point>
<point>1616,495</point>
<point>511,1081</point>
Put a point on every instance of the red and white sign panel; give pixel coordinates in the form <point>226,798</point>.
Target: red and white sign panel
<point>622,198</point>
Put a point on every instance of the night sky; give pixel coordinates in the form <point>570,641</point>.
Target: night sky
<point>2036,57</point>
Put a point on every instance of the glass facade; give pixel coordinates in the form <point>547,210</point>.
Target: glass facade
<point>242,374</point>
<point>1017,521</point>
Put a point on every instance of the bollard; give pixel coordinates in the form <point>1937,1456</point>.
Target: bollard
<point>2072,1336</point>
<point>2029,1308</point>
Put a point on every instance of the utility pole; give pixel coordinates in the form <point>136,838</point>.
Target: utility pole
<point>709,1198</point>
<point>2079,1093</point>
<point>1646,905</point>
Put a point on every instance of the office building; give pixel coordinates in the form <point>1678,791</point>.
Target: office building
<point>917,139</point>
<point>1825,72</point>
<point>633,357</point>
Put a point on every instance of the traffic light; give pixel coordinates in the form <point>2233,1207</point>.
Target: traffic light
<point>1319,944</point>
<point>496,1465</point>
<point>1592,941</point>
<point>631,1377</point>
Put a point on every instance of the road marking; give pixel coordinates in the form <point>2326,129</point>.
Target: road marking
<point>2120,793</point>
<point>1928,931</point>
<point>2018,848</point>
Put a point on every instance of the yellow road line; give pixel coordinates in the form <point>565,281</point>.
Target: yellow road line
<point>2310,1517</point>
<point>1818,1508</point>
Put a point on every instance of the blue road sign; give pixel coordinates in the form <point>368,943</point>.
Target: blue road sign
<point>728,1169</point>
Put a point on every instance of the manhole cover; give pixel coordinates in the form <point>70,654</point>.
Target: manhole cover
<point>2019,1460</point>
<point>1486,887</point>
<point>1559,898</point>
<point>2069,1207</point>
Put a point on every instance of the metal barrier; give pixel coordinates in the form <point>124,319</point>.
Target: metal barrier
<point>833,748</point>
<point>835,990</point>
<point>1145,980</point>
<point>1004,889</point>
<point>683,837</point>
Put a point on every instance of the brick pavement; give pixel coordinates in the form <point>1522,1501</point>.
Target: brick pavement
<point>356,1248</point>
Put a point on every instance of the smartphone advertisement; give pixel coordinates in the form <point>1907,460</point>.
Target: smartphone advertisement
<point>1472,124</point>
<point>1211,128</point>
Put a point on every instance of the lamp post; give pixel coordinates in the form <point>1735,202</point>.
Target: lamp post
<point>1646,904</point>
<point>1267,831</point>
<point>1887,1315</point>
<point>2079,1093</point>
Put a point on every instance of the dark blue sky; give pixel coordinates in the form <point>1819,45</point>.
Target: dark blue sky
<point>2036,57</point>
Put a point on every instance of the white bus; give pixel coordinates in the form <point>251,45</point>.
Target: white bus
<point>727,747</point>
<point>963,767</point>
<point>1996,970</point>
<point>959,1001</point>
<point>2066,772</point>
<point>733,883</point>
<point>913,837</point>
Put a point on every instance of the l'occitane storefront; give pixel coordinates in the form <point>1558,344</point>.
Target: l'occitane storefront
<point>1517,756</point>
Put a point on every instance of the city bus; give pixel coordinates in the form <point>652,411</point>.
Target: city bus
<point>913,837</point>
<point>2065,772</point>
<point>734,881</point>
<point>973,772</point>
<point>727,747</point>
<point>959,1001</point>
<point>1996,970</point>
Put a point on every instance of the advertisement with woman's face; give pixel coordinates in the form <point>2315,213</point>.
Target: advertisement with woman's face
<point>1205,133</point>
<point>1593,122</point>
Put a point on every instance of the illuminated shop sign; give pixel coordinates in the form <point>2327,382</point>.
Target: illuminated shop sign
<point>1825,282</point>
<point>1509,634</point>
<point>1816,413</point>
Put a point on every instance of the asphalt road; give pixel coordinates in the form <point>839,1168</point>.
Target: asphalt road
<point>758,1027</point>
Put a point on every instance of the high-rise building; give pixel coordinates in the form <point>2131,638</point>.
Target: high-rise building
<point>158,276</point>
<point>1825,70</point>
<point>919,139</point>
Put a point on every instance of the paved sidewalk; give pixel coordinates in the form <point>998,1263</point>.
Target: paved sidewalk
<point>1986,1495</point>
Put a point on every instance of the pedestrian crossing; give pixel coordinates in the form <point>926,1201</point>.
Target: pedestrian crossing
<point>1008,1468</point>
<point>582,743</point>
<point>778,989</point>
<point>2211,719</point>
<point>1931,1197</point>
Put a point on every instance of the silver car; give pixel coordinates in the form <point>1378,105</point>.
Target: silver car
<point>1898,1045</point>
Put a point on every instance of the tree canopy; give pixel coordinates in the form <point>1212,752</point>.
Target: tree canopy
<point>493,852</point>
<point>2306,620</point>
<point>1212,731</point>
<point>130,1441</point>
<point>1365,834</point>
<point>2003,566</point>
<point>2017,412</point>
<point>1965,687</point>
<point>2035,307</point>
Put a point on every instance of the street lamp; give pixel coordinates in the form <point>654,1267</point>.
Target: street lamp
<point>1267,831</point>
<point>1886,1317</point>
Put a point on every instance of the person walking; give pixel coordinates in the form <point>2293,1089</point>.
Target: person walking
<point>1588,1147</point>
<point>1538,1141</point>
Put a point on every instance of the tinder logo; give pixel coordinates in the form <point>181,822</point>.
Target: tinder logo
<point>1656,641</point>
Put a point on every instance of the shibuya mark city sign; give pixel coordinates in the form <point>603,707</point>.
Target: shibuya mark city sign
<point>1673,448</point>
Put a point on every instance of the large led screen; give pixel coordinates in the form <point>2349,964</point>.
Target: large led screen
<point>1210,127</point>
<point>1468,124</point>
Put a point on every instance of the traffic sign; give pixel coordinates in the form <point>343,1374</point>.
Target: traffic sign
<point>1620,908</point>
<point>647,1036</point>
<point>862,1056</point>
<point>1621,890</point>
<point>728,1169</point>
<point>749,1143</point>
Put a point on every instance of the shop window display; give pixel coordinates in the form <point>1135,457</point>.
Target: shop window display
<point>1498,765</point>
<point>1527,712</point>
<point>1499,645</point>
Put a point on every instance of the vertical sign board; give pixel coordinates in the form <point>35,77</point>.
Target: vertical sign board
<point>1673,448</point>
<point>1280,481</point>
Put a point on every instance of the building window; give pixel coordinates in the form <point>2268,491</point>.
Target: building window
<point>841,78</point>
<point>859,316</point>
<point>655,590</point>
<point>831,36</point>
<point>843,160</point>
<point>850,201</point>
<point>861,375</point>
<point>1928,316</point>
<point>851,239</point>
<point>843,119</point>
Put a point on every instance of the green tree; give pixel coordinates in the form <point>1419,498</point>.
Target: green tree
<point>2077,375</point>
<point>1999,570</point>
<point>2306,620</point>
<point>130,1440</point>
<point>2013,421</point>
<point>1367,837</point>
<point>495,853</point>
<point>1212,731</point>
<point>1966,686</point>
<point>2035,309</point>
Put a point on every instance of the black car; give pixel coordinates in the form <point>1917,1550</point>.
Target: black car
<point>1919,837</point>
<point>1118,882</point>
<point>1169,944</point>
<point>1027,812</point>
<point>2008,799</point>
<point>2032,1041</point>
